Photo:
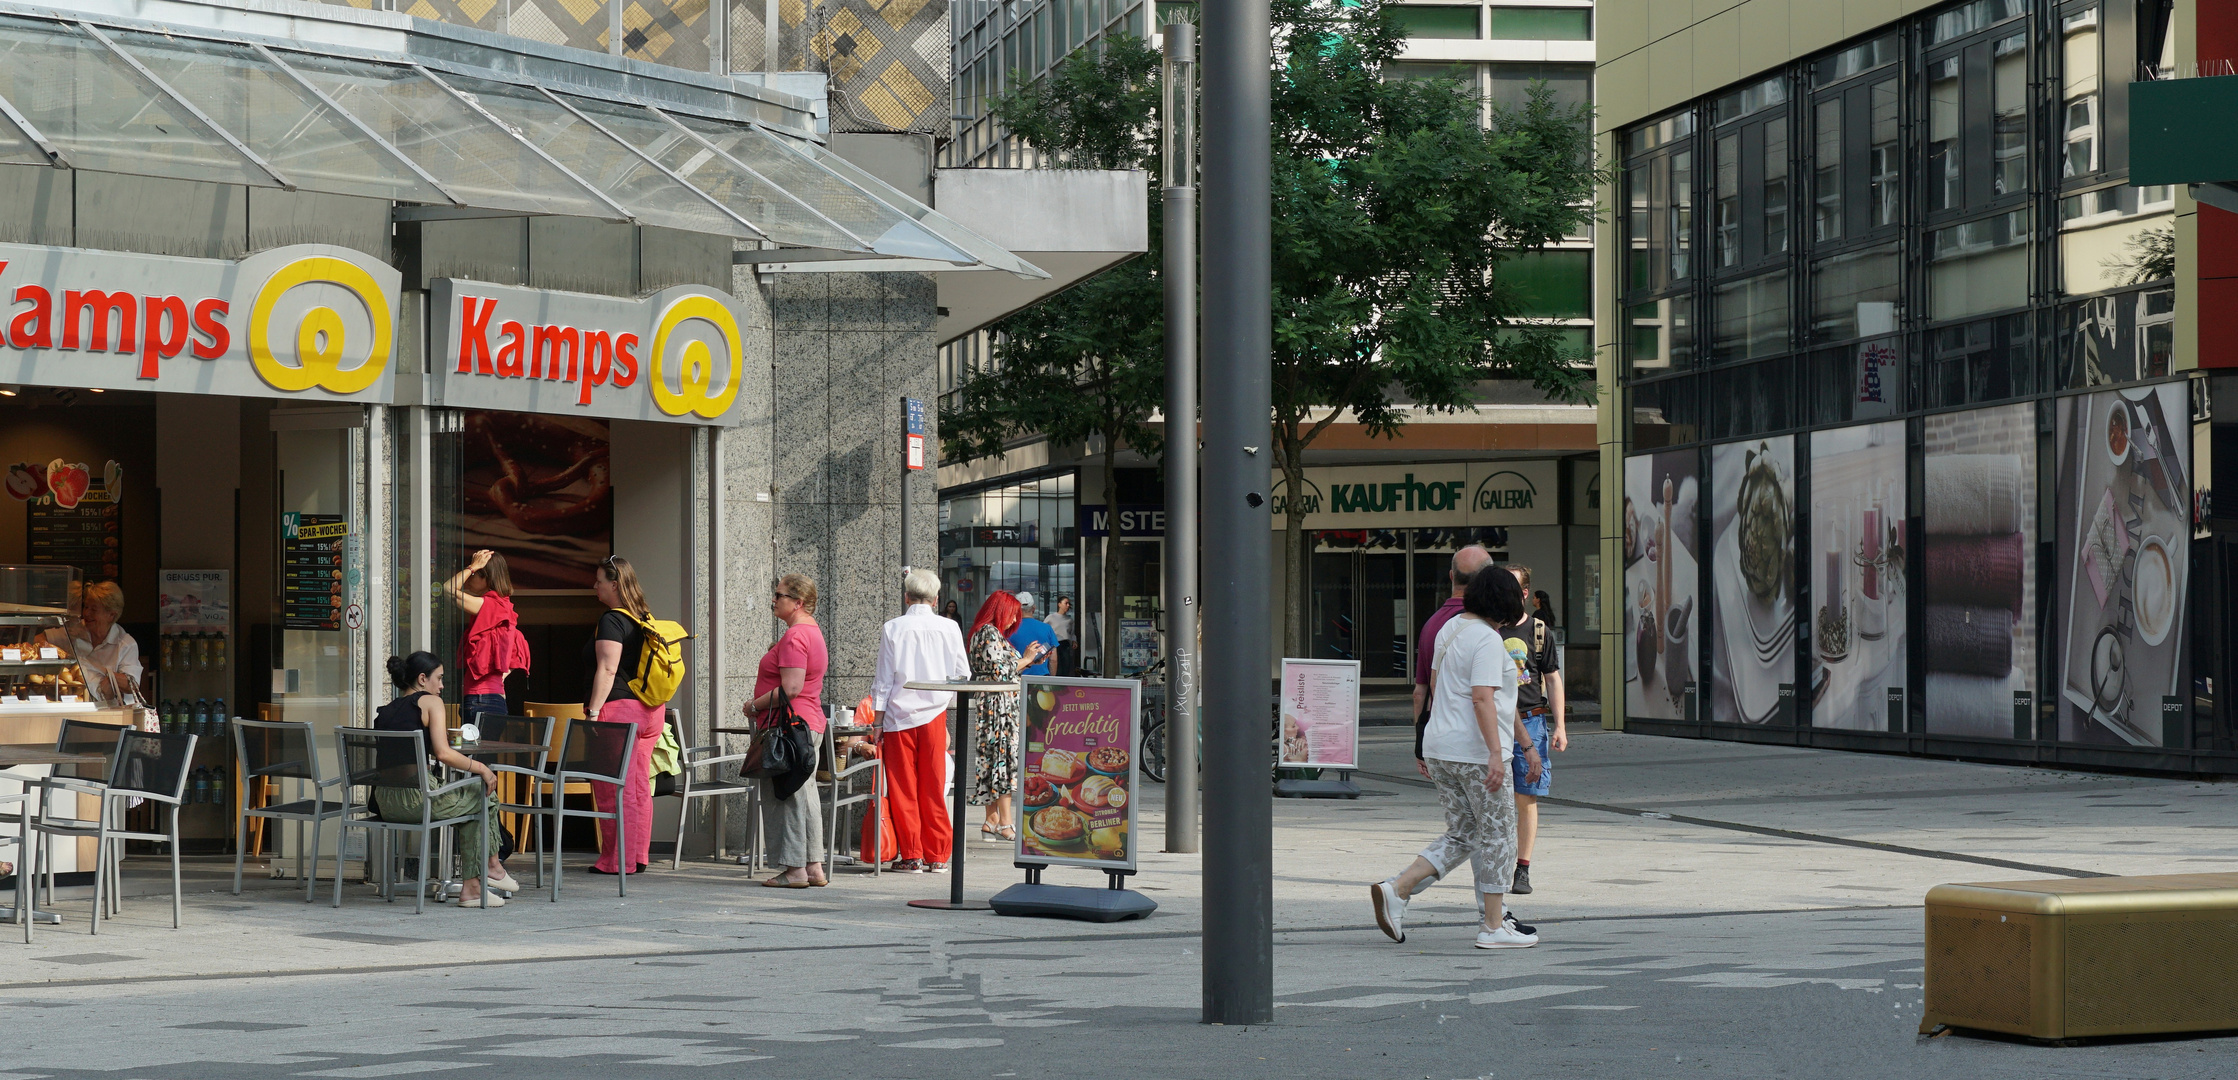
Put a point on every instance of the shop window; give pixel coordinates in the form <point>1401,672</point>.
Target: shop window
<point>2117,339</point>
<point>1979,15</point>
<point>1659,221</point>
<point>1749,318</point>
<point>1426,21</point>
<point>1556,284</point>
<point>1857,60</point>
<point>1572,84</point>
<point>1977,124</point>
<point>1861,380</point>
<point>1986,360</point>
<point>1857,160</point>
<point>1465,74</point>
<point>1664,412</point>
<point>1978,267</point>
<point>1659,335</point>
<point>1858,294</point>
<point>1752,400</point>
<point>1749,222</point>
<point>1541,23</point>
<point>2079,86</point>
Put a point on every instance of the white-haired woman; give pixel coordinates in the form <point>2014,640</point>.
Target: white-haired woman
<point>109,657</point>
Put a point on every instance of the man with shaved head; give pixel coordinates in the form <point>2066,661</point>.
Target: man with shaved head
<point>1466,562</point>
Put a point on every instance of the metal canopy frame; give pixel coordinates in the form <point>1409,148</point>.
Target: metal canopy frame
<point>893,228</point>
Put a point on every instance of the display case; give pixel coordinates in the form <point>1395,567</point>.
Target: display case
<point>39,673</point>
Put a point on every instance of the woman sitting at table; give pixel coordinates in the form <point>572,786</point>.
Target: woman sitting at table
<point>420,708</point>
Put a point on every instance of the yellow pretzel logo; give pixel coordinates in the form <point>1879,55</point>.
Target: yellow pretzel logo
<point>320,336</point>
<point>698,364</point>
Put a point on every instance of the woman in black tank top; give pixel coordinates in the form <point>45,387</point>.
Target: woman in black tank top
<point>421,706</point>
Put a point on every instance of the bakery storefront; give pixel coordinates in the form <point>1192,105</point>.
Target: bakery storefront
<point>299,308</point>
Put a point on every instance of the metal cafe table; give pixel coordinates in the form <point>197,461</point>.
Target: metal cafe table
<point>16,755</point>
<point>963,692</point>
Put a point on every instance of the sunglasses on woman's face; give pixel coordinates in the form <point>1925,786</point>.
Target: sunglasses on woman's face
<point>784,596</point>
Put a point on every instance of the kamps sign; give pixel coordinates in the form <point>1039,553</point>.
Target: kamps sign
<point>677,355</point>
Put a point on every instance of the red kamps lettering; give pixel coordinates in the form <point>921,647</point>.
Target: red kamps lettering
<point>625,360</point>
<point>598,362</point>
<point>212,339</point>
<point>100,305</point>
<point>474,334</point>
<point>165,334</point>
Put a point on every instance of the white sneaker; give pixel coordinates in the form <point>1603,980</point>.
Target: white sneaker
<point>1390,909</point>
<point>1504,938</point>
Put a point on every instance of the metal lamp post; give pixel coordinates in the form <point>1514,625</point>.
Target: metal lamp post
<point>1179,167</point>
<point>1238,426</point>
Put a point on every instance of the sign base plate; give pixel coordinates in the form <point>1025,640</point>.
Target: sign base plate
<point>1316,789</point>
<point>1081,902</point>
<point>950,905</point>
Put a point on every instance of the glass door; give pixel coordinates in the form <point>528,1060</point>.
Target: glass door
<point>320,580</point>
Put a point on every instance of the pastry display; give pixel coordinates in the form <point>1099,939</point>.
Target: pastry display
<point>1108,760</point>
<point>1063,766</point>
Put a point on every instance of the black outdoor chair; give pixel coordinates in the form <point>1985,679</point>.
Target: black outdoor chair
<point>398,759</point>
<point>276,751</point>
<point>146,766</point>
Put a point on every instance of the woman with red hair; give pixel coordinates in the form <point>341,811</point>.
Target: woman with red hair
<point>993,659</point>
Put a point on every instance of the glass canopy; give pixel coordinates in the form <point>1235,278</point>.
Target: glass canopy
<point>150,102</point>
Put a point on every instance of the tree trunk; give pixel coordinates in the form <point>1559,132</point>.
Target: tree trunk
<point>1114,549</point>
<point>1297,597</point>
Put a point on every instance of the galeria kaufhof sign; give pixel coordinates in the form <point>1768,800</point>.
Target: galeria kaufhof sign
<point>1424,496</point>
<point>308,321</point>
<point>677,355</point>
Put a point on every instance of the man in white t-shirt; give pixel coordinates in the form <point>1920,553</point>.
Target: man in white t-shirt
<point>1466,751</point>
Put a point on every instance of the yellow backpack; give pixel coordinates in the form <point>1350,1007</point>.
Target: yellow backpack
<point>660,662</point>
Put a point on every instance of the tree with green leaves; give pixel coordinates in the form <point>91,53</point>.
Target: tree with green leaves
<point>1088,362</point>
<point>1396,202</point>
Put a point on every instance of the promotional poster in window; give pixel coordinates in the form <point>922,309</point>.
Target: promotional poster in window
<point>1752,517</point>
<point>1857,565</point>
<point>1979,561</point>
<point>2124,465</point>
<point>1661,577</point>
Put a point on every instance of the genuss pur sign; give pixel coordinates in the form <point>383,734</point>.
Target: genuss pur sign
<point>308,321</point>
<point>677,355</point>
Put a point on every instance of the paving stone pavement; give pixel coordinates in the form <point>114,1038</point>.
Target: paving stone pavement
<point>1768,926</point>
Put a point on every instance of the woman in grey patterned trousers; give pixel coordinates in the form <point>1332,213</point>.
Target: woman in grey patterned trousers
<point>1467,747</point>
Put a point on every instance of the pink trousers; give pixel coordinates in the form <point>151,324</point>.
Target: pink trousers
<point>637,800</point>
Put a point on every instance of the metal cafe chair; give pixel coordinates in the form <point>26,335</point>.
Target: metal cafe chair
<point>271,752</point>
<point>870,797</point>
<point>147,766</point>
<point>595,750</point>
<point>374,759</point>
<point>690,786</point>
<point>22,841</point>
<point>533,731</point>
<point>75,737</point>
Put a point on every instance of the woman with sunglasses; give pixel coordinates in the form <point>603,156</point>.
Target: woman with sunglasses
<point>792,673</point>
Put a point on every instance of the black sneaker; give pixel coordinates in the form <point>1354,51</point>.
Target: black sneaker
<point>1522,885</point>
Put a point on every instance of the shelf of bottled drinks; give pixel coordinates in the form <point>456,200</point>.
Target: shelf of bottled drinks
<point>193,675</point>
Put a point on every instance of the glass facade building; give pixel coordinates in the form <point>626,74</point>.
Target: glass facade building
<point>1910,455</point>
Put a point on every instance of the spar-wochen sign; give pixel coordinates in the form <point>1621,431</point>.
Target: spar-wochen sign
<point>308,321</point>
<point>677,355</point>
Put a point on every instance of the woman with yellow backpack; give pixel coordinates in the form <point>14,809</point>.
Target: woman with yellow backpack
<point>636,664</point>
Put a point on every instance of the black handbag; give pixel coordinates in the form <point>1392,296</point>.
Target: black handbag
<point>784,752</point>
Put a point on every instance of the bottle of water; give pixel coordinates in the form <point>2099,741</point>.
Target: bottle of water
<point>221,727</point>
<point>201,722</point>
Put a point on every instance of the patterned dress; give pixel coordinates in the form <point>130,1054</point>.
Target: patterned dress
<point>995,717</point>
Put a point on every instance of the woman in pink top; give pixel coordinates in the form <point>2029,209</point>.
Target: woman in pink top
<point>794,669</point>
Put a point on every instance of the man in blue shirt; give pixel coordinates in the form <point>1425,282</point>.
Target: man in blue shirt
<point>1030,630</point>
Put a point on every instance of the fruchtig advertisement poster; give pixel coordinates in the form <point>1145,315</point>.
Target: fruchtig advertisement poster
<point>1661,575</point>
<point>1857,562</point>
<point>1978,561</point>
<point>1752,575</point>
<point>1078,780</point>
<point>1320,714</point>
<point>2124,527</point>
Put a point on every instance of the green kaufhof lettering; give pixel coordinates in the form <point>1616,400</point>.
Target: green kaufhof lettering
<point>1401,496</point>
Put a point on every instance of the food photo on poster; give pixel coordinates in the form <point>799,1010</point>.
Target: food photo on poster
<point>1078,778</point>
<point>1857,554</point>
<point>2124,554</point>
<point>1320,714</point>
<point>1752,517</point>
<point>541,490</point>
<point>1979,560</point>
<point>1661,576</point>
